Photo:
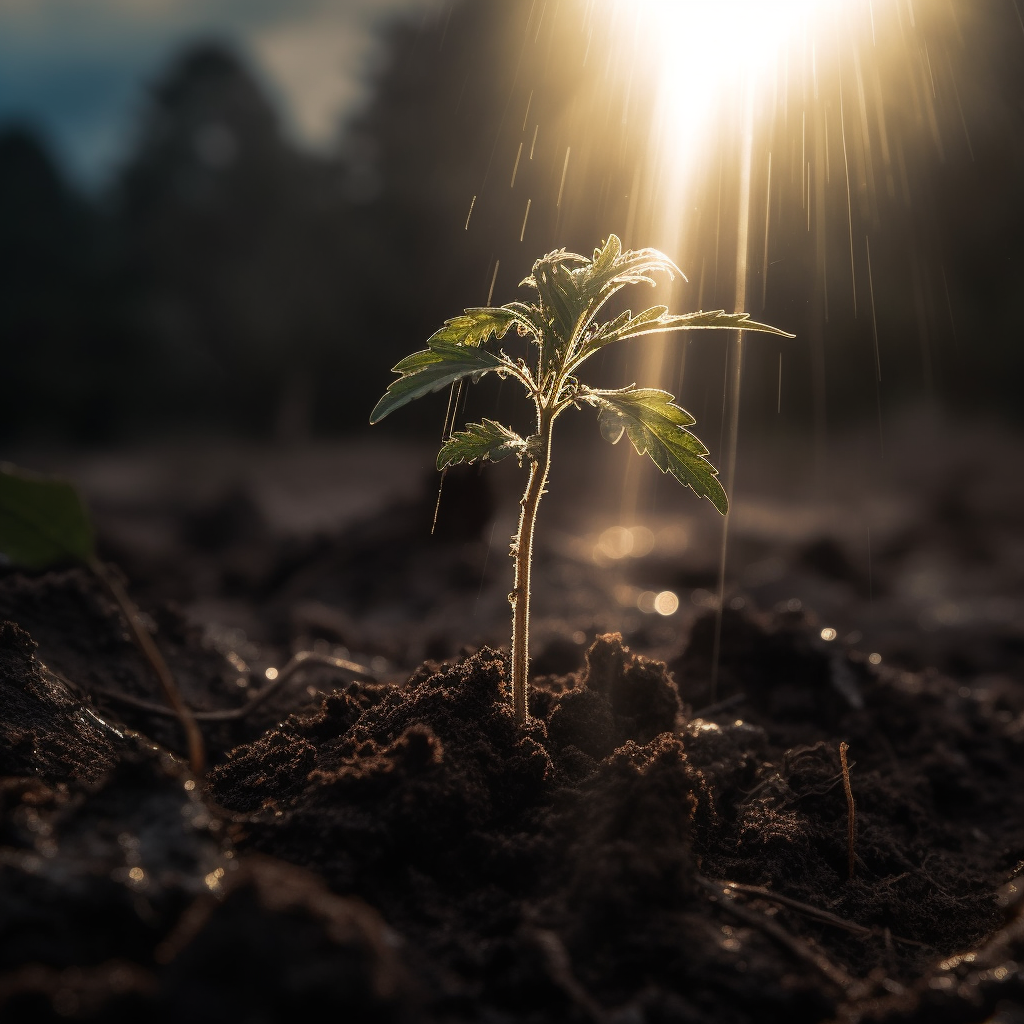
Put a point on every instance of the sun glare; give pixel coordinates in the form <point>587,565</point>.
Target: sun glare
<point>705,53</point>
<point>716,70</point>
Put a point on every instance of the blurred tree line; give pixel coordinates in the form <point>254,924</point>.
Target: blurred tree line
<point>231,281</point>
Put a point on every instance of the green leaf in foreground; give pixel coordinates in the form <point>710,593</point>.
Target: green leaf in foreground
<point>657,426</point>
<point>42,520</point>
<point>479,441</point>
<point>474,327</point>
<point>431,369</point>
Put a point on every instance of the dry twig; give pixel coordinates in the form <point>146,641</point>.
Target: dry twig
<point>149,650</point>
<point>851,811</point>
<point>863,931</point>
<point>300,660</point>
<point>797,946</point>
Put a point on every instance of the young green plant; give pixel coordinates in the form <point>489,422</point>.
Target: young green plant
<point>561,323</point>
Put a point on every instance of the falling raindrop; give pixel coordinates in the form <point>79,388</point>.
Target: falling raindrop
<point>565,168</point>
<point>494,277</point>
<point>849,200</point>
<point>515,169</point>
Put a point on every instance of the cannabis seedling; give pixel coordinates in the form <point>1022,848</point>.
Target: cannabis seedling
<point>569,292</point>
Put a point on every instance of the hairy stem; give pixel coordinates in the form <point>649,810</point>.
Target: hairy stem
<point>522,554</point>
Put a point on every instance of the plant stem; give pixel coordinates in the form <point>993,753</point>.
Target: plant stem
<point>522,554</point>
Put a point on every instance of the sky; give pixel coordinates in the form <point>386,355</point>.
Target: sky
<point>79,69</point>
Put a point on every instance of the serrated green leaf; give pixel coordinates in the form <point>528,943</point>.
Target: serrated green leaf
<point>475,326</point>
<point>718,318</point>
<point>612,269</point>
<point>431,369</point>
<point>656,426</point>
<point>560,299</point>
<point>605,257</point>
<point>479,441</point>
<point>42,520</point>
<point>570,295</point>
<point>625,325</point>
<point>529,319</point>
<point>658,319</point>
<point>559,257</point>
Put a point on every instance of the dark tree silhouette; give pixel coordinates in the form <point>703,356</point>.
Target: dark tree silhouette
<point>234,281</point>
<point>231,240</point>
<point>59,361</point>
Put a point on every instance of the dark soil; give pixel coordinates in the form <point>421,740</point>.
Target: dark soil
<point>652,847</point>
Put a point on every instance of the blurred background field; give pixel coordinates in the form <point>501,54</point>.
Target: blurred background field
<point>234,219</point>
<point>222,224</point>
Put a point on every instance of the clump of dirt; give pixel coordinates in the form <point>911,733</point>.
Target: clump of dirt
<point>604,818</point>
<point>121,893</point>
<point>86,642</point>
<point>410,852</point>
<point>504,854</point>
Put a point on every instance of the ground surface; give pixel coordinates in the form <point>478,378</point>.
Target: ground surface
<point>666,840</point>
